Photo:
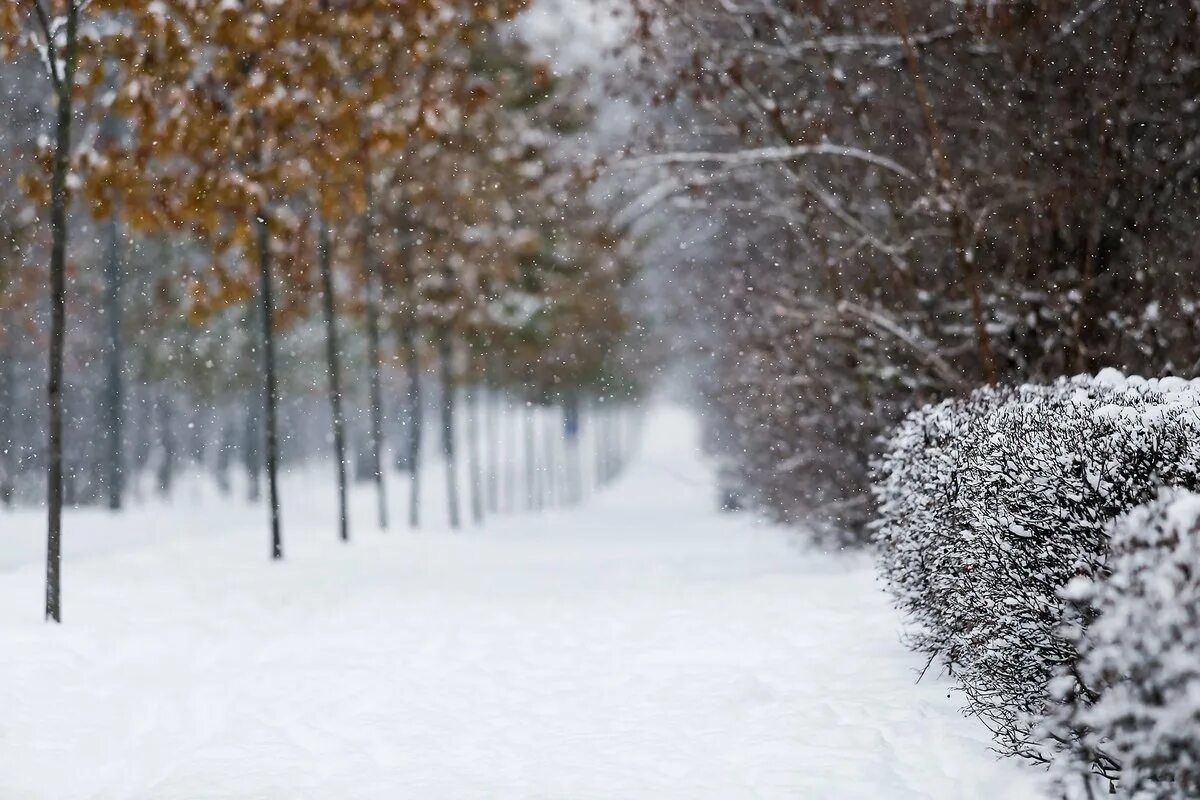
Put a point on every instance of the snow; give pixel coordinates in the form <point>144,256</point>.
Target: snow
<point>642,646</point>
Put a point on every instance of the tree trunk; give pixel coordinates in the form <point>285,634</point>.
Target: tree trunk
<point>550,475</point>
<point>166,434</point>
<point>601,442</point>
<point>445,363</point>
<point>474,456</point>
<point>374,292</point>
<point>8,399</point>
<point>492,438</point>
<point>144,439</point>
<point>115,472</point>
<point>531,482</point>
<point>335,384</point>
<point>512,475</point>
<point>412,371</point>
<point>58,313</point>
<point>270,391</point>
<point>959,222</point>
<point>574,465</point>
<point>224,456</point>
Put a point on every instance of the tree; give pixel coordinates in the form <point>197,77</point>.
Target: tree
<point>54,32</point>
<point>859,237</point>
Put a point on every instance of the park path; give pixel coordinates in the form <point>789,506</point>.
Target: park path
<point>642,646</point>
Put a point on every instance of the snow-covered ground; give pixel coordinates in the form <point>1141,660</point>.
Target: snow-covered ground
<point>642,646</point>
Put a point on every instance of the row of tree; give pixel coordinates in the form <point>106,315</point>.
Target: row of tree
<point>233,188</point>
<point>887,202</point>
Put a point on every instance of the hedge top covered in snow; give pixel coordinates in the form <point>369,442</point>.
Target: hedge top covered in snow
<point>990,504</point>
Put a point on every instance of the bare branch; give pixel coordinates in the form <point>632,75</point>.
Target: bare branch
<point>881,323</point>
<point>43,20</point>
<point>765,155</point>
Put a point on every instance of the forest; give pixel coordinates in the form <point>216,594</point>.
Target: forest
<point>918,277</point>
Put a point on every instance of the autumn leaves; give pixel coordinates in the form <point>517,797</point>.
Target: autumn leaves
<point>383,167</point>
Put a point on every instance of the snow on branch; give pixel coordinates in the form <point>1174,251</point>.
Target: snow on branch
<point>880,323</point>
<point>764,155</point>
<point>859,42</point>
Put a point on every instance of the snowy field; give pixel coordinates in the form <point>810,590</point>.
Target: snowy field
<point>642,646</point>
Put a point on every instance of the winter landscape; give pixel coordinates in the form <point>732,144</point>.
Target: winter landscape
<point>588,399</point>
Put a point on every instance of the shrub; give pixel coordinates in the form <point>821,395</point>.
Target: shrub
<point>1131,705</point>
<point>991,504</point>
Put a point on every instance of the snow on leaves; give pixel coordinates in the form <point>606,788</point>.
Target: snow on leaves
<point>1130,707</point>
<point>990,505</point>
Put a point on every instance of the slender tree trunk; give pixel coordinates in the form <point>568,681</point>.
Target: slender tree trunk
<point>618,441</point>
<point>227,436</point>
<point>574,467</point>
<point>144,442</point>
<point>166,433</point>
<point>197,421</point>
<point>115,477</point>
<point>415,404</point>
<point>58,312</point>
<point>614,443</point>
<point>335,382</point>
<point>959,222</point>
<point>474,456</point>
<point>512,491</point>
<point>445,363</point>
<point>550,436</point>
<point>531,483</point>
<point>374,293</point>
<point>601,443</point>
<point>416,426</point>
<point>492,438</point>
<point>8,398</point>
<point>270,390</point>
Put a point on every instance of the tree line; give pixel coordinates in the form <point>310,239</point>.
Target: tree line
<point>241,206</point>
<point>887,203</point>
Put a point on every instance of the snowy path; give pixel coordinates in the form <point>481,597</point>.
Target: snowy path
<point>640,647</point>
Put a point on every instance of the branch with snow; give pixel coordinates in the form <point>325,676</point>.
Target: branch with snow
<point>764,155</point>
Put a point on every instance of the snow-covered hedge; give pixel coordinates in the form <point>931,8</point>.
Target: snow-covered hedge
<point>990,505</point>
<point>1131,704</point>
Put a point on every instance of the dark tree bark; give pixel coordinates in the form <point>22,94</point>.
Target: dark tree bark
<point>374,293</point>
<point>335,383</point>
<point>114,402</point>
<point>414,402</point>
<point>960,223</point>
<point>63,84</point>
<point>8,399</point>
<point>270,391</point>
<point>446,366</point>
